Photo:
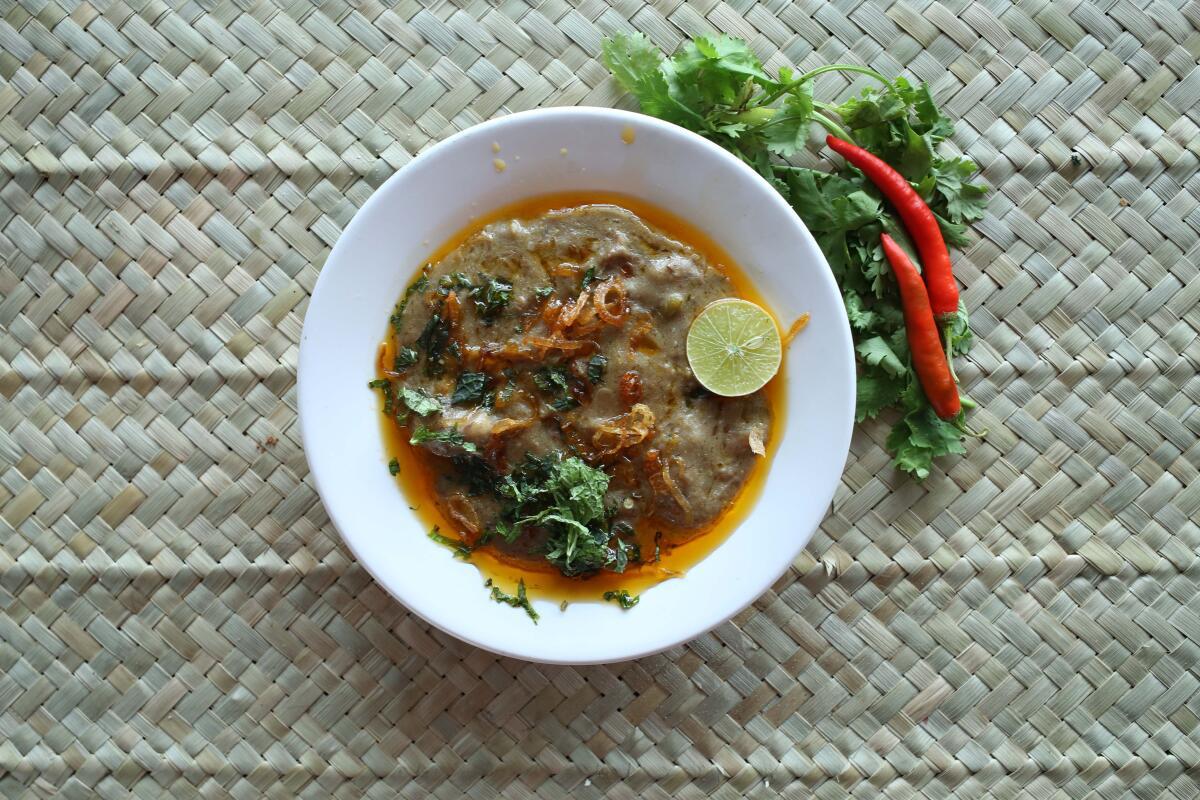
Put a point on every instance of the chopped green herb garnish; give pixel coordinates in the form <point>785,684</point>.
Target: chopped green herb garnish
<point>565,403</point>
<point>433,340</point>
<point>623,597</point>
<point>419,401</point>
<point>556,381</point>
<point>627,553</point>
<point>490,296</point>
<point>543,292</point>
<point>461,549</point>
<point>505,531</point>
<point>595,368</point>
<point>589,277</point>
<point>469,388</point>
<point>520,600</point>
<point>405,358</point>
<point>453,282</point>
<point>419,285</point>
<point>566,499</point>
<point>394,467</point>
<point>476,473</point>
<point>447,435</point>
<point>388,391</point>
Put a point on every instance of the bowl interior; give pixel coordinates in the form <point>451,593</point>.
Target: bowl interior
<point>434,197</point>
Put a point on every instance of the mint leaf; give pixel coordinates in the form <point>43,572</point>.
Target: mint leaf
<point>419,401</point>
<point>446,435</point>
<point>405,358</point>
<point>623,597</point>
<point>469,388</point>
<point>519,600</point>
<point>461,549</point>
<point>595,368</point>
<point>417,286</point>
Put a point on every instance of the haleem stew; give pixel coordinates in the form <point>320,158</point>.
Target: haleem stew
<point>541,410</point>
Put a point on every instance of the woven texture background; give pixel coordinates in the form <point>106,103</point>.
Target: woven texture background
<point>178,618</point>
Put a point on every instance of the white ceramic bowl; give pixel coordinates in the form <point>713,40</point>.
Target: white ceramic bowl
<point>428,201</point>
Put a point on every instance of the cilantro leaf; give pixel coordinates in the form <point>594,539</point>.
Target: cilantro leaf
<point>878,352</point>
<point>876,391</point>
<point>787,132</point>
<point>921,435</point>
<point>636,64</point>
<point>958,332</point>
<point>955,196</point>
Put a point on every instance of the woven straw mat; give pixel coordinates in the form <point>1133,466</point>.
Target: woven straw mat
<point>179,619</point>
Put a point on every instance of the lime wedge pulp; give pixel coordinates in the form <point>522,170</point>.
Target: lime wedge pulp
<point>733,347</point>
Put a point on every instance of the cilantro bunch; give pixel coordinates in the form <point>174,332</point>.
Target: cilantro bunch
<point>717,87</point>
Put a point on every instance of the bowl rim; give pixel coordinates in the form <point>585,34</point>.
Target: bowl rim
<point>307,381</point>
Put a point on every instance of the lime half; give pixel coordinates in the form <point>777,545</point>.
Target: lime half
<point>733,347</point>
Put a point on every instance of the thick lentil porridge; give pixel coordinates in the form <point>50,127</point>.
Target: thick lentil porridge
<point>540,407</point>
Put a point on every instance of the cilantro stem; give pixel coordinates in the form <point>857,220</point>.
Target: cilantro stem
<point>772,96</point>
<point>945,331</point>
<point>831,126</point>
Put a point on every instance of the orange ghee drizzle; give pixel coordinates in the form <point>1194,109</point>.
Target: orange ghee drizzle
<point>544,582</point>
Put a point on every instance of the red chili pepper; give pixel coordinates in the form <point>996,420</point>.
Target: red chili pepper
<point>922,225</point>
<point>929,360</point>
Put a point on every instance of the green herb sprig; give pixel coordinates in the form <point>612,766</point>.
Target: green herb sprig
<point>448,435</point>
<point>623,598</point>
<point>519,600</point>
